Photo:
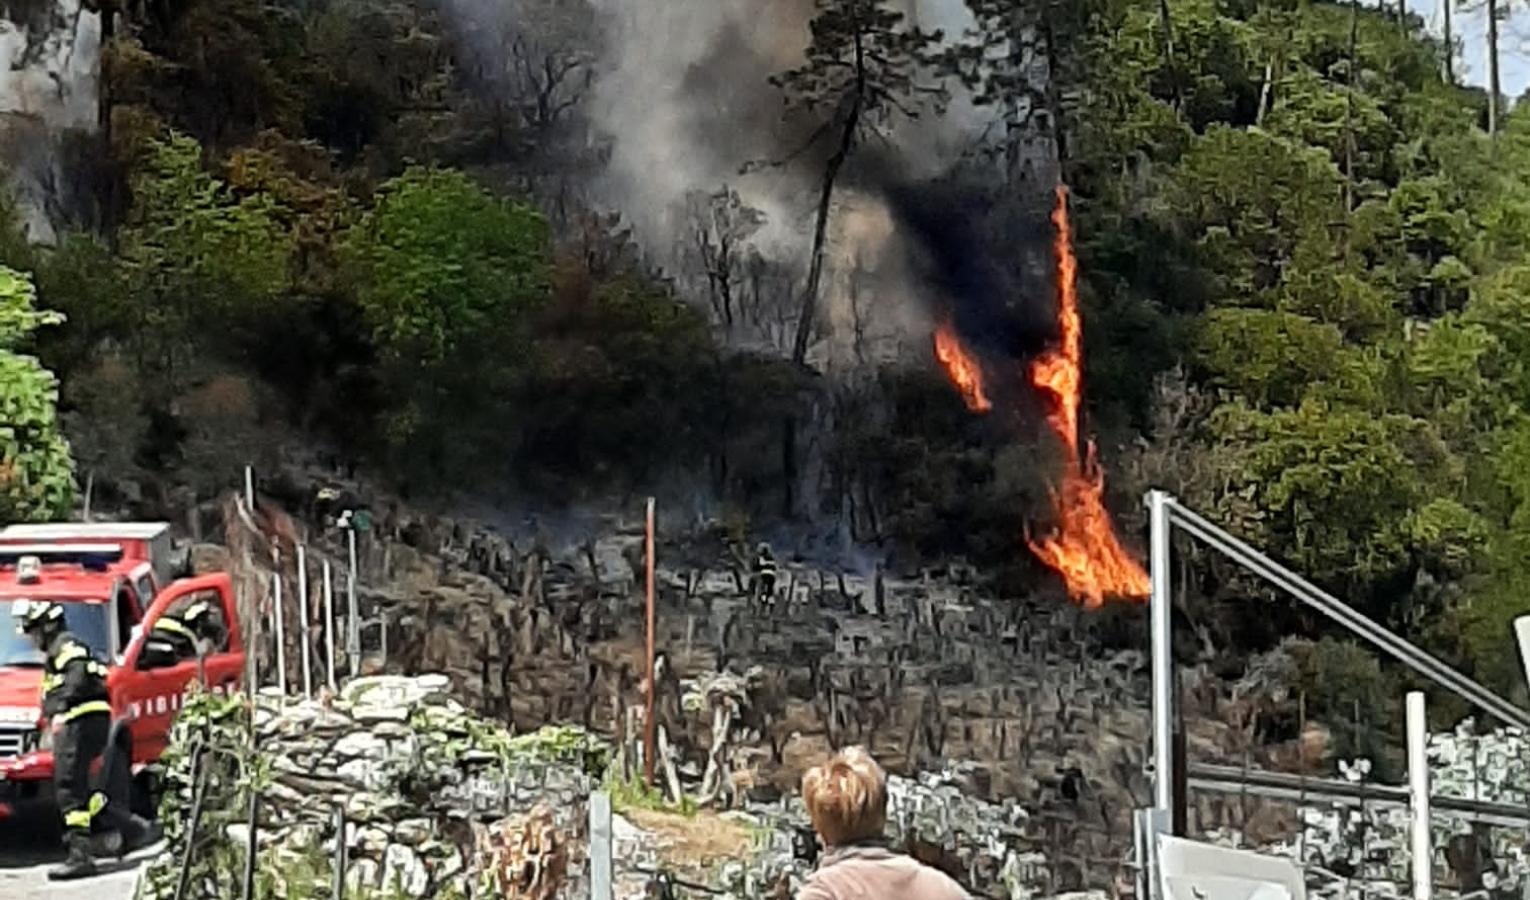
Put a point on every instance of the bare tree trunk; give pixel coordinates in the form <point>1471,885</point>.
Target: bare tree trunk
<point>1168,51</point>
<point>1450,45</point>
<point>836,162</point>
<point>1495,87</point>
<point>854,106</point>
<point>1349,108</point>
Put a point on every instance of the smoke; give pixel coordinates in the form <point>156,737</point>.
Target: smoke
<point>684,96</point>
<point>47,90</point>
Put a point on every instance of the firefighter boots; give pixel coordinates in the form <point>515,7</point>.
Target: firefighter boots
<point>79,863</point>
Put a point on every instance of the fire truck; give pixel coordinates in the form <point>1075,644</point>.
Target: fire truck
<point>114,582</point>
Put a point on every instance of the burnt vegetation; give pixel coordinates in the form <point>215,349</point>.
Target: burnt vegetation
<point>1302,254</point>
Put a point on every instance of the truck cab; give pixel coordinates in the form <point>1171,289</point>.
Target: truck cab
<point>98,586</point>
<point>159,560</point>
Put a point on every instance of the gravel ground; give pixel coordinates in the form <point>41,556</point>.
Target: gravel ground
<point>28,851</point>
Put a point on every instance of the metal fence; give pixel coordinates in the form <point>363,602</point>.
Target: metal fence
<point>1371,823</point>
<point>311,631</point>
<point>311,626</point>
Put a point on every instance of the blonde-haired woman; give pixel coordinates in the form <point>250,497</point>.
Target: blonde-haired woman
<point>846,799</point>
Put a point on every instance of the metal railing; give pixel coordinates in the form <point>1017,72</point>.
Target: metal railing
<point>1165,514</point>
<point>271,619</point>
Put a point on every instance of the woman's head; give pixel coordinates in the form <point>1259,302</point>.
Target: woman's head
<point>846,797</point>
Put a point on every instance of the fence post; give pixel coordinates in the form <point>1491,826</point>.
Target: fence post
<point>1418,784</point>
<point>352,608</point>
<point>340,854</point>
<point>302,574</point>
<point>281,630</point>
<point>601,851</point>
<point>329,625</point>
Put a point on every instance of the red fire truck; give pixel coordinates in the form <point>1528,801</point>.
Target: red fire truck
<point>111,602</point>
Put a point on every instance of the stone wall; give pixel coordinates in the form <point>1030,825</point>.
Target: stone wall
<point>926,668</point>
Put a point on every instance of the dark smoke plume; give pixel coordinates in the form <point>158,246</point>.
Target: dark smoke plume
<point>975,258</point>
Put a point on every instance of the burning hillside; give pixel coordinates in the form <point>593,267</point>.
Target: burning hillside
<point>1083,546</point>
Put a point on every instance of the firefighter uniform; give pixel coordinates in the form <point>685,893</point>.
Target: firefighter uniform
<point>765,575</point>
<point>188,629</point>
<point>77,707</point>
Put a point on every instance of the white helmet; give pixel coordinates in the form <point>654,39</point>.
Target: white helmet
<point>30,614</point>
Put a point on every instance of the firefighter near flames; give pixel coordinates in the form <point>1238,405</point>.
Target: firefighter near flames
<point>1082,547</point>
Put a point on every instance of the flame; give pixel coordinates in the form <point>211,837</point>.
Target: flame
<point>962,368</point>
<point>1084,548</point>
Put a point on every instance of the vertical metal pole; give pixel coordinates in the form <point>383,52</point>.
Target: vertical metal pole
<point>341,860</point>
<point>249,489</point>
<point>329,624</point>
<point>303,637</point>
<point>601,839</point>
<point>649,725</point>
<point>1163,662</point>
<point>1522,636</point>
<point>252,827</point>
<point>90,489</point>
<point>1418,796</point>
<point>352,609</point>
<point>280,624</point>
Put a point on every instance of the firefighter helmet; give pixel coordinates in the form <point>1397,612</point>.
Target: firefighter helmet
<point>32,614</point>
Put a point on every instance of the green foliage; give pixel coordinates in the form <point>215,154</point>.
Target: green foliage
<point>194,260</point>
<point>1345,688</point>
<point>440,261</point>
<point>634,793</point>
<point>1292,204</point>
<point>36,472</point>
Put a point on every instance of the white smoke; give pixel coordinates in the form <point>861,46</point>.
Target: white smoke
<point>47,88</point>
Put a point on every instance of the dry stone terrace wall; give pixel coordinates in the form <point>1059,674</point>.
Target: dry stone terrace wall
<point>924,670</point>
<point>920,669</point>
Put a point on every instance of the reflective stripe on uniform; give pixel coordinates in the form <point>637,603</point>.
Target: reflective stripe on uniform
<point>195,611</point>
<point>174,627</point>
<point>69,654</point>
<point>86,708</point>
<point>80,819</point>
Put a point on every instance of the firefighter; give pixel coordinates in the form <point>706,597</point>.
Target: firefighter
<point>194,631</point>
<point>765,575</point>
<point>78,711</point>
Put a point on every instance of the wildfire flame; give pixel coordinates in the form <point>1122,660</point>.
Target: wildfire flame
<point>1084,548</point>
<point>962,368</point>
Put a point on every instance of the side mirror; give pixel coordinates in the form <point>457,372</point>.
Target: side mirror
<point>155,655</point>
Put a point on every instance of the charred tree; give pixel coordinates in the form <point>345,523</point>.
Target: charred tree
<point>864,66</point>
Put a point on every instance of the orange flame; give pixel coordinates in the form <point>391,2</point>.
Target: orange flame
<point>962,368</point>
<point>1084,548</point>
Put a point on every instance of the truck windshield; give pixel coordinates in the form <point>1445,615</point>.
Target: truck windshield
<point>86,621</point>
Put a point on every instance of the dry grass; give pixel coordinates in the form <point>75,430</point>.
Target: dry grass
<point>695,844</point>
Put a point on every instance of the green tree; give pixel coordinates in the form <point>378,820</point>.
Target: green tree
<point>449,279</point>
<point>201,267</point>
<point>36,472</point>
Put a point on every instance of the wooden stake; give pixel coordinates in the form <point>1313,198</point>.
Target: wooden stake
<point>649,723</point>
